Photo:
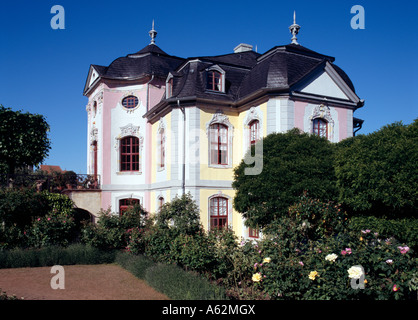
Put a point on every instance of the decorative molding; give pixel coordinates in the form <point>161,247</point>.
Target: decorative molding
<point>323,112</point>
<point>94,133</point>
<point>129,130</point>
<point>220,118</point>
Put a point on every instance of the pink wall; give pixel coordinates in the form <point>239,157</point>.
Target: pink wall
<point>342,120</point>
<point>300,114</point>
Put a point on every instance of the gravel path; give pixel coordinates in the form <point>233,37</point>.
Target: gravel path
<point>82,282</point>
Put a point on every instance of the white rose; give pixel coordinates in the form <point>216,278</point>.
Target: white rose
<point>331,257</point>
<point>355,272</point>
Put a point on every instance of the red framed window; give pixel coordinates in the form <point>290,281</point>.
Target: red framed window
<point>218,144</point>
<point>95,160</point>
<point>254,132</point>
<point>214,81</point>
<point>218,208</point>
<point>129,154</point>
<point>253,233</point>
<point>125,204</point>
<point>161,149</point>
<point>320,128</point>
<point>130,102</point>
<point>160,203</point>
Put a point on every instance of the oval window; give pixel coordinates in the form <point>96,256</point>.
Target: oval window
<point>130,102</point>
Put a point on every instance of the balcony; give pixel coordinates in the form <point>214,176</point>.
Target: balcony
<point>56,182</point>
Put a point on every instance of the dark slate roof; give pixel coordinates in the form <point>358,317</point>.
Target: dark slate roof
<point>149,60</point>
<point>246,72</point>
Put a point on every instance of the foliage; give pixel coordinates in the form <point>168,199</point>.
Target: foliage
<point>19,206</point>
<point>405,229</point>
<point>53,255</point>
<point>180,216</point>
<point>179,284</point>
<point>293,162</point>
<point>378,173</point>
<point>36,219</point>
<point>52,229</point>
<point>113,231</point>
<point>23,139</point>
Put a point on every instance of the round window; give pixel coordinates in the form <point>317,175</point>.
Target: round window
<point>130,102</point>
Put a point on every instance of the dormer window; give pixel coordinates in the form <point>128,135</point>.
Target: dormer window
<point>169,86</point>
<point>215,79</point>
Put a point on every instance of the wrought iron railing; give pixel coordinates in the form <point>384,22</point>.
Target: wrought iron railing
<point>52,183</point>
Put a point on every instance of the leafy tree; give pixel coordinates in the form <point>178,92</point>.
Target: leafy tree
<point>23,139</point>
<point>293,162</point>
<point>378,173</point>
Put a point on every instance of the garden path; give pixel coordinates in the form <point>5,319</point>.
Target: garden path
<point>82,282</point>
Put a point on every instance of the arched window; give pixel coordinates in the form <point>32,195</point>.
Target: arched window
<point>218,208</point>
<point>218,144</point>
<point>160,202</point>
<point>129,154</point>
<point>214,81</point>
<point>94,144</point>
<point>254,131</point>
<point>161,149</point>
<point>320,127</point>
<point>125,204</point>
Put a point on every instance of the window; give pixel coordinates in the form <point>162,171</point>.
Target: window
<point>130,102</point>
<point>218,207</point>
<point>129,154</point>
<point>218,144</point>
<point>254,132</point>
<point>125,204</point>
<point>214,81</point>
<point>160,202</point>
<point>253,233</point>
<point>170,88</point>
<point>161,149</point>
<point>320,128</point>
<point>95,159</point>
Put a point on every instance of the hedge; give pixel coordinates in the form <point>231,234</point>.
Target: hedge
<point>170,279</point>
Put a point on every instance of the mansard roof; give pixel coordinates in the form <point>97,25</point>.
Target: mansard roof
<point>151,60</point>
<point>247,74</point>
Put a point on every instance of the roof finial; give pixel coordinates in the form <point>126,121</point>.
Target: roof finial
<point>152,33</point>
<point>294,29</point>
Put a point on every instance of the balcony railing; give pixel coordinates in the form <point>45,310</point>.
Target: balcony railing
<point>52,183</point>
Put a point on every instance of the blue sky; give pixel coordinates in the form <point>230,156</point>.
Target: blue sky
<point>44,70</point>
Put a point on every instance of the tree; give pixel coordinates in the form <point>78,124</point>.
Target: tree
<point>23,139</point>
<point>293,162</point>
<point>378,173</point>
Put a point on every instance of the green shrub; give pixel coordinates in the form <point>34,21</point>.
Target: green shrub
<point>53,229</point>
<point>405,230</point>
<point>112,231</point>
<point>53,255</point>
<point>136,264</point>
<point>319,269</point>
<point>176,283</point>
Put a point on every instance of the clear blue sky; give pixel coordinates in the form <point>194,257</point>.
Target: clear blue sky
<point>44,70</point>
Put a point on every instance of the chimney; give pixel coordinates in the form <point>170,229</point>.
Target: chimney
<point>242,47</point>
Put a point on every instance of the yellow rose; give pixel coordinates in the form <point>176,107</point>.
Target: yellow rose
<point>313,274</point>
<point>257,277</point>
<point>267,260</point>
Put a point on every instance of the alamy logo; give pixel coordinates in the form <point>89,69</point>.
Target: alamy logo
<point>358,21</point>
<point>58,280</point>
<point>58,20</point>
